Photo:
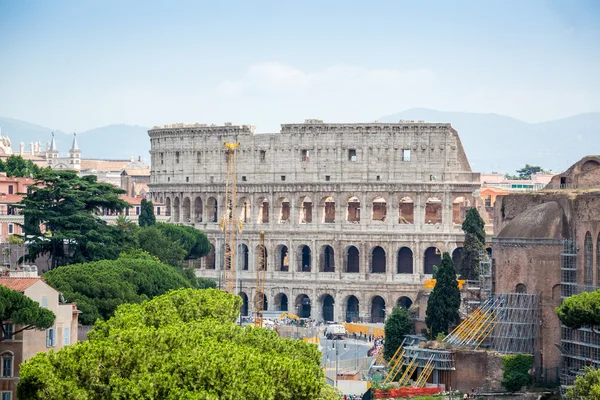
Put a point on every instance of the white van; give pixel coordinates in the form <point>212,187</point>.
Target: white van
<point>335,331</point>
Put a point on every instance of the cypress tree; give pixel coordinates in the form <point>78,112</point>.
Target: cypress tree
<point>474,245</point>
<point>147,216</point>
<point>444,300</point>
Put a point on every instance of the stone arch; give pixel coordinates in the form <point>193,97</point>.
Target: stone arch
<point>284,206</point>
<point>168,206</point>
<point>176,209</point>
<point>352,260</point>
<point>306,210</point>
<point>588,260</point>
<point>433,211</point>
<point>244,257</point>
<point>520,288</point>
<point>282,258</point>
<point>378,260</point>
<point>327,307</point>
<point>404,302</point>
<point>433,256</point>
<point>379,209</point>
<point>328,206</point>
<point>210,258</point>
<point>212,209</point>
<point>281,302</point>
<point>262,216</point>
<point>460,206</point>
<point>244,307</point>
<point>327,259</point>
<point>589,165</point>
<point>405,261</point>
<point>304,258</point>
<point>260,248</point>
<point>187,209</point>
<point>377,309</point>
<point>244,211</point>
<point>456,257</point>
<point>352,309</point>
<point>406,211</point>
<point>261,297</point>
<point>353,211</point>
<point>198,209</point>
<point>303,306</point>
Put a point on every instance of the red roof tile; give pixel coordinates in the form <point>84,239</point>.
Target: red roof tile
<point>19,284</point>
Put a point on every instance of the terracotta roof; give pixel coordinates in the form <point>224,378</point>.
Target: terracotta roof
<point>137,172</point>
<point>19,284</point>
<point>103,165</point>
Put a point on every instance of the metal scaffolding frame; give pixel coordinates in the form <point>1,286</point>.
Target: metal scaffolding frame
<point>442,359</point>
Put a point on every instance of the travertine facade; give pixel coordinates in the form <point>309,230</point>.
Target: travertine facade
<point>355,215</point>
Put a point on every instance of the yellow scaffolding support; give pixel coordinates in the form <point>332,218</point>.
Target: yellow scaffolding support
<point>408,372</point>
<point>229,222</point>
<point>476,328</point>
<point>396,363</point>
<point>425,374</point>
<point>379,357</point>
<point>261,277</point>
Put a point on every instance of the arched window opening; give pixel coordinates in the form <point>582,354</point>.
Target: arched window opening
<point>520,288</point>
<point>353,260</point>
<point>377,310</point>
<point>244,308</point>
<point>261,266</point>
<point>282,258</point>
<point>456,257</point>
<point>263,212</point>
<point>353,209</point>
<point>169,212</point>
<point>404,302</point>
<point>588,254</point>
<point>352,309</point>
<point>281,302</point>
<point>433,256</point>
<point>210,258</point>
<point>405,261</point>
<point>433,211</point>
<point>327,259</point>
<point>176,210</point>
<point>303,306</point>
<point>406,211</point>
<point>198,209</point>
<point>327,308</point>
<point>284,213</point>
<point>304,259</point>
<point>187,217</point>
<point>329,210</point>
<point>212,209</point>
<point>306,211</point>
<point>378,262</point>
<point>379,209</point>
<point>244,258</point>
<point>261,298</point>
<point>460,206</point>
<point>244,210</point>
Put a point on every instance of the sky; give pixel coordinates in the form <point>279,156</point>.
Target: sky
<point>77,65</point>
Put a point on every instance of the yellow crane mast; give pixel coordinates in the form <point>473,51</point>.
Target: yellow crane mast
<point>261,277</point>
<point>229,222</point>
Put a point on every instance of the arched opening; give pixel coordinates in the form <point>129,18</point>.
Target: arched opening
<point>306,210</point>
<point>244,256</point>
<point>328,210</point>
<point>303,306</point>
<point>460,206</point>
<point>353,209</point>
<point>261,266</point>
<point>433,211</point>
<point>433,256</point>
<point>489,252</point>
<point>304,258</point>
<point>281,302</point>
<point>377,310</point>
<point>198,209</point>
<point>588,254</point>
<point>379,209</point>
<point>244,308</point>
<point>169,212</point>
<point>187,217</point>
<point>327,259</point>
<point>520,288</point>
<point>282,258</point>
<point>378,260</point>
<point>176,210</point>
<point>457,256</point>
<point>328,305</point>
<point>352,309</point>
<point>404,302</point>
<point>405,261</point>
<point>210,258</point>
<point>352,260</point>
<point>284,211</point>
<point>244,210</point>
<point>263,211</point>
<point>212,209</point>
<point>261,298</point>
<point>590,165</point>
<point>406,211</point>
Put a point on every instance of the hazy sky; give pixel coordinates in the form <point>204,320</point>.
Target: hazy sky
<point>77,65</point>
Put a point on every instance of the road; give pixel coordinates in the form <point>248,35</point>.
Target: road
<point>354,349</point>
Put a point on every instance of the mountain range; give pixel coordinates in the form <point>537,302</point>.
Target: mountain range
<point>492,142</point>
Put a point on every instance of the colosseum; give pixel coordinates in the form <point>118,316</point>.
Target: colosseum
<point>355,215</point>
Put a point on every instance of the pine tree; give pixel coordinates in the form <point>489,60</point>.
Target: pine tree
<point>397,325</point>
<point>147,216</point>
<point>474,245</point>
<point>444,300</point>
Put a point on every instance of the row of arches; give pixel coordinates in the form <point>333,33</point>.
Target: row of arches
<point>303,307</point>
<point>588,259</point>
<point>187,211</point>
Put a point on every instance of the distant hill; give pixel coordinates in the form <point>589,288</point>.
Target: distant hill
<point>498,143</point>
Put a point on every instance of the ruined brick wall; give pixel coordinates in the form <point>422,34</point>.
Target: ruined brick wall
<point>477,369</point>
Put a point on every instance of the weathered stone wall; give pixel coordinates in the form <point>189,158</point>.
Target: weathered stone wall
<point>478,369</point>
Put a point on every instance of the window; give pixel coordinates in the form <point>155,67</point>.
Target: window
<point>378,177</point>
<point>127,211</point>
<point>50,337</point>
<point>44,302</point>
<point>157,210</point>
<point>263,155</point>
<point>10,189</point>
<point>11,228</point>
<point>7,365</point>
<point>405,155</point>
<point>7,330</point>
<point>212,179</point>
<point>327,178</point>
<point>243,179</point>
<point>6,395</point>
<point>305,155</point>
<point>352,155</point>
<point>198,157</point>
<point>162,158</point>
<point>177,157</point>
<point>137,210</point>
<point>169,179</point>
<point>187,178</point>
<point>67,332</point>
<point>282,177</point>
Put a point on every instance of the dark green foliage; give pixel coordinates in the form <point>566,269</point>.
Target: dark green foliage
<point>21,310</point>
<point>18,167</point>
<point>194,242</point>
<point>586,387</point>
<point>147,216</point>
<point>516,371</point>
<point>397,325</point>
<point>155,242</point>
<point>526,172</point>
<point>474,245</point>
<point>444,300</point>
<point>100,287</point>
<point>66,203</point>
<point>580,310</point>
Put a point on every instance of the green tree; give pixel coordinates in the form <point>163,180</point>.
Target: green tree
<point>147,216</point>
<point>194,242</point>
<point>156,242</point>
<point>586,387</point>
<point>21,310</point>
<point>580,310</point>
<point>18,167</point>
<point>474,245</point>
<point>181,345</point>
<point>65,204</point>
<point>444,300</point>
<point>516,371</point>
<point>397,325</point>
<point>100,287</point>
<point>526,172</point>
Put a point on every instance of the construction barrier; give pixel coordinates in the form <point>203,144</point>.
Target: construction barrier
<point>314,339</point>
<point>403,392</point>
<point>364,329</point>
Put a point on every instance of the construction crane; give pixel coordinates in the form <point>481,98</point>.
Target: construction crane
<point>261,277</point>
<point>229,222</point>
